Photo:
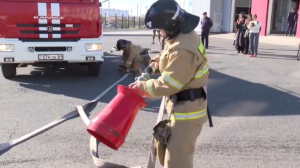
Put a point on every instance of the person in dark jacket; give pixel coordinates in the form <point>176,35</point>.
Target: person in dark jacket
<point>240,34</point>
<point>247,33</point>
<point>291,22</point>
<point>206,24</point>
<point>296,22</point>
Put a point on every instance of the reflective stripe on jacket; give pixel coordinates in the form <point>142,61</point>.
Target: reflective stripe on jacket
<point>189,116</point>
<point>183,66</point>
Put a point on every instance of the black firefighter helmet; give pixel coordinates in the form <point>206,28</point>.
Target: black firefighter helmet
<point>170,17</point>
<point>122,44</point>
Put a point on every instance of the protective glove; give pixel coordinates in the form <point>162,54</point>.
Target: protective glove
<point>143,77</point>
<point>154,66</point>
<point>135,87</point>
<point>122,68</point>
<point>113,49</point>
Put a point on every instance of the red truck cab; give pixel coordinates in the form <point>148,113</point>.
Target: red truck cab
<point>50,31</point>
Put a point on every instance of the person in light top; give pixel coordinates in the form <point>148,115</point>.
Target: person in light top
<point>254,28</point>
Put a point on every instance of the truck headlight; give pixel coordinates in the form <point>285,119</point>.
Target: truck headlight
<point>93,47</point>
<point>7,48</point>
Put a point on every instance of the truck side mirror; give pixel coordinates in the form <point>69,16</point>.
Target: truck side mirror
<point>100,4</point>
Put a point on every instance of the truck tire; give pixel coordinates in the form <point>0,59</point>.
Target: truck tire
<point>9,70</point>
<point>94,68</point>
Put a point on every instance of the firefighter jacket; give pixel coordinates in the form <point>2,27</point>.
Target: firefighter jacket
<point>131,54</point>
<point>183,65</point>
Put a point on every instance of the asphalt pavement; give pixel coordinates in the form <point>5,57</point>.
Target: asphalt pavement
<point>255,103</point>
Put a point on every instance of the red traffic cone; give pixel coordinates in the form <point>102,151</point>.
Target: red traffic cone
<point>113,123</point>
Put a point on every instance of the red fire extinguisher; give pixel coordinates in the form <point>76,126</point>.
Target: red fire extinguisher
<point>113,123</point>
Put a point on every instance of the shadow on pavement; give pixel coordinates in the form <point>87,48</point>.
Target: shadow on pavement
<point>277,56</point>
<point>229,54</point>
<point>4,151</point>
<point>228,96</point>
<point>221,48</point>
<point>73,81</point>
<point>273,49</point>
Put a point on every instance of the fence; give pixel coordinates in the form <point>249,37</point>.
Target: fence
<point>122,22</point>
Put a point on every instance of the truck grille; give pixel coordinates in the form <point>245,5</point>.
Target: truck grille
<point>46,32</point>
<point>49,49</point>
<point>48,28</point>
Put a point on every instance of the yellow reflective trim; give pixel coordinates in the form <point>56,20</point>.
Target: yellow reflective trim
<point>201,72</point>
<point>128,62</point>
<point>149,88</point>
<point>190,112</point>
<point>202,49</point>
<point>192,118</point>
<point>189,116</point>
<point>172,81</point>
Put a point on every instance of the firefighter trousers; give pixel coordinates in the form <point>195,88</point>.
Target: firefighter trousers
<point>180,148</point>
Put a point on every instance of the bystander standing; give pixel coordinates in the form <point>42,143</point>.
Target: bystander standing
<point>154,34</point>
<point>291,22</point>
<point>206,24</point>
<point>296,22</point>
<point>247,33</point>
<point>240,34</point>
<point>254,27</point>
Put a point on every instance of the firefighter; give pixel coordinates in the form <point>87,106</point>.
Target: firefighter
<point>184,75</point>
<point>154,34</point>
<point>133,56</point>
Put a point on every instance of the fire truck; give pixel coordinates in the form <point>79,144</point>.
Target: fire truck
<point>55,32</point>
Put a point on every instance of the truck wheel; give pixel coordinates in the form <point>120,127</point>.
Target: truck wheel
<point>9,70</point>
<point>94,68</point>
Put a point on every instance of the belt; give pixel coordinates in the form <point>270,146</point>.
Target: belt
<point>189,95</point>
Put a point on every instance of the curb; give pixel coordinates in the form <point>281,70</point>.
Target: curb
<point>124,30</point>
<point>150,35</point>
<point>144,35</point>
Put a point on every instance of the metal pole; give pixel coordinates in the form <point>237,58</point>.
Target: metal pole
<point>122,21</point>
<point>116,21</point>
<point>141,8</point>
<point>128,22</point>
<point>108,8</point>
<point>134,22</point>
<point>105,20</point>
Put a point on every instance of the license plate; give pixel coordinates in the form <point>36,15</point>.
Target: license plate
<point>51,56</point>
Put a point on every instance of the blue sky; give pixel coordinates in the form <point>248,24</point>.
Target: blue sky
<point>131,5</point>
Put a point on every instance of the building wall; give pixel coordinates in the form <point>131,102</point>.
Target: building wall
<point>200,6</point>
<point>212,16</point>
<point>298,27</point>
<point>260,8</point>
<point>269,21</point>
<point>226,16</point>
